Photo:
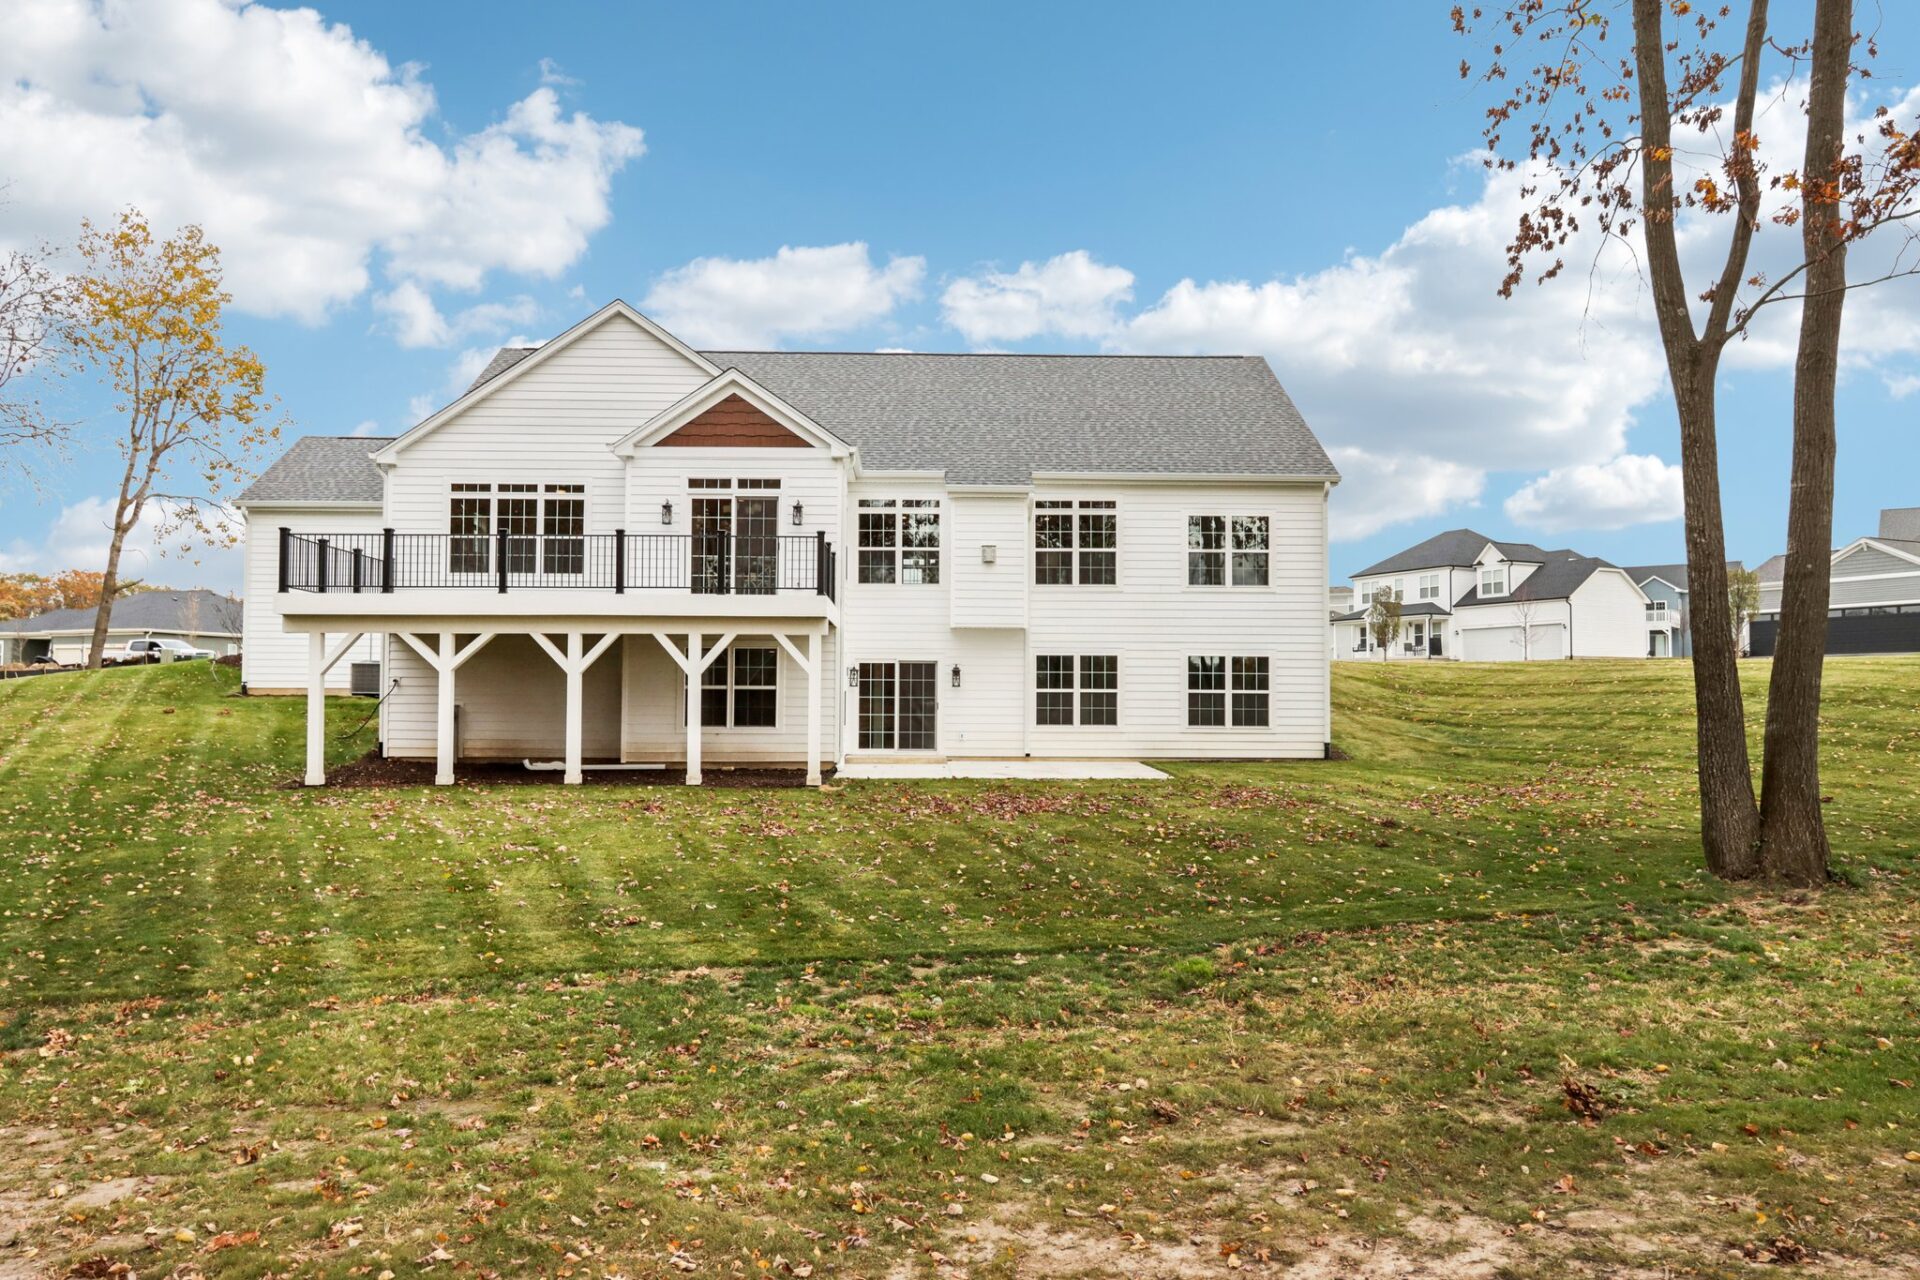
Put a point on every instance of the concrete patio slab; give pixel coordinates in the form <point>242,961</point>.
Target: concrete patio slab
<point>1019,770</point>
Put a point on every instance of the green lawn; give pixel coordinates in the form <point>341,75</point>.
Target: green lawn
<point>1310,1019</point>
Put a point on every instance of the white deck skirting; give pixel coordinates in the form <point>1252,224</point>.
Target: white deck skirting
<point>1024,770</point>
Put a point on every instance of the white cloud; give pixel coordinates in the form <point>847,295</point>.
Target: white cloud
<point>412,316</point>
<point>415,320</point>
<point>300,148</point>
<point>367,427</point>
<point>1378,490</point>
<point>1630,489</point>
<point>78,538</point>
<point>1071,295</point>
<point>799,293</point>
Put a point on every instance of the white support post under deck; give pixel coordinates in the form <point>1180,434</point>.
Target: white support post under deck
<point>445,659</point>
<point>574,663</point>
<point>813,710</point>
<point>694,669</point>
<point>443,713</point>
<point>316,710</point>
<point>321,660</point>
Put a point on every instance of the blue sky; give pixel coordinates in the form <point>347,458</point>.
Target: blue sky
<point>1309,180</point>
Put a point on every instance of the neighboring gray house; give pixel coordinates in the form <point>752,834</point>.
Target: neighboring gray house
<point>204,619</point>
<point>1669,626</point>
<point>1463,595</point>
<point>1874,605</point>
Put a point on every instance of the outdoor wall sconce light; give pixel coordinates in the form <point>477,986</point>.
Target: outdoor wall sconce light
<point>956,675</point>
<point>853,677</point>
<point>666,512</point>
<point>796,512</point>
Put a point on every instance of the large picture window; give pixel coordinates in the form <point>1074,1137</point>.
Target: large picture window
<point>1076,542</point>
<point>1081,690</point>
<point>471,526</point>
<point>1222,691</point>
<point>900,541</point>
<point>741,689</point>
<point>545,527</point>
<point>1227,551</point>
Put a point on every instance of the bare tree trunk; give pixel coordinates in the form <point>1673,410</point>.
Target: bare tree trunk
<point>1729,819</point>
<point>110,580</point>
<point>1793,832</point>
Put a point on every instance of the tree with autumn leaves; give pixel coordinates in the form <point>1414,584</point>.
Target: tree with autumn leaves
<point>189,410</point>
<point>1617,123</point>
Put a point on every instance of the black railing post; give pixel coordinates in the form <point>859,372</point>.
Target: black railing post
<point>820,561</point>
<point>386,560</point>
<point>619,562</point>
<point>502,559</point>
<point>320,565</point>
<point>286,547</point>
<point>358,555</point>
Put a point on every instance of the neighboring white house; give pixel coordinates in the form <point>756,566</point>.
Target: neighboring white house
<point>203,619</point>
<point>1464,596</point>
<point>1873,600</point>
<point>852,555</point>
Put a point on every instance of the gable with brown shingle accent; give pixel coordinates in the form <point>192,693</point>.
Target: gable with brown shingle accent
<point>733,423</point>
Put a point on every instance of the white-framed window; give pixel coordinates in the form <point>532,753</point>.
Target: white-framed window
<point>1076,542</point>
<point>545,525</point>
<point>1224,691</point>
<point>741,689</point>
<point>900,540</point>
<point>1081,689</point>
<point>1225,551</point>
<point>1429,587</point>
<point>1656,611</point>
<point>1493,579</point>
<point>1416,634</point>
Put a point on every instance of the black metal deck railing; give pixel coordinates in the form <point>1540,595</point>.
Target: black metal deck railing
<point>387,561</point>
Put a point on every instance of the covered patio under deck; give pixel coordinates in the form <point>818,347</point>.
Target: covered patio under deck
<point>445,644</point>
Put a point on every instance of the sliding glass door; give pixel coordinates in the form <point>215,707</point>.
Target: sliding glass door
<point>899,706</point>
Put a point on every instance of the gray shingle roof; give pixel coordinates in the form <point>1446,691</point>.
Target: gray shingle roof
<point>1557,579</point>
<point>1454,548</point>
<point>503,359</point>
<point>1416,609</point>
<point>1673,573</point>
<point>202,612</point>
<point>982,419</point>
<point>322,469</point>
<point>997,419</point>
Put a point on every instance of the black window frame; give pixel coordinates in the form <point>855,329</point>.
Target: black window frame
<point>1229,691</point>
<point>1076,690</point>
<point>721,687</point>
<point>897,542</point>
<point>1076,542</point>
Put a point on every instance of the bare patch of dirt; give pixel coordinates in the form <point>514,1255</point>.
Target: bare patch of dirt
<point>376,771</point>
<point>1049,1249</point>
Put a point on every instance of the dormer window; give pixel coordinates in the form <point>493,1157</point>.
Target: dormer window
<point>1493,579</point>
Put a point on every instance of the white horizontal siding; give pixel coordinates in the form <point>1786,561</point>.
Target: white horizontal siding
<point>989,595</point>
<point>273,659</point>
<point>655,722</point>
<point>554,424</point>
<point>512,703</point>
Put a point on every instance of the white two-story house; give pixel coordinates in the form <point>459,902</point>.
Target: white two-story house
<point>1464,596</point>
<point>616,549</point>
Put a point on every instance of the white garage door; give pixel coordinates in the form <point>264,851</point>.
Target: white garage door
<point>1503,644</point>
<point>1490,644</point>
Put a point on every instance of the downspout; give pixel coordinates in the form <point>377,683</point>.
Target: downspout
<point>1569,628</point>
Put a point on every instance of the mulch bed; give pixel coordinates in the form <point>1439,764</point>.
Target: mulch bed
<point>374,770</point>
